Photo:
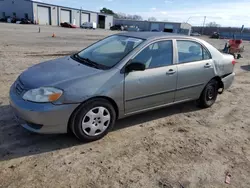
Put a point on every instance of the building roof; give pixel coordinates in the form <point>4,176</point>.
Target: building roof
<point>152,35</point>
<point>167,22</point>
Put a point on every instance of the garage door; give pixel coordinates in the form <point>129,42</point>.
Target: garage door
<point>155,27</point>
<point>85,18</point>
<point>168,28</point>
<point>65,16</point>
<point>43,15</point>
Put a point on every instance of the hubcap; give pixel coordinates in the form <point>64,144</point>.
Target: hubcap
<point>210,93</point>
<point>96,121</point>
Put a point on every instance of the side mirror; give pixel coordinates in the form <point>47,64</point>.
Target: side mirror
<point>136,66</point>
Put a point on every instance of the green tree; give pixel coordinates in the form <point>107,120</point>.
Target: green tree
<point>213,24</point>
<point>128,16</point>
<point>152,19</point>
<point>136,17</point>
<point>107,11</point>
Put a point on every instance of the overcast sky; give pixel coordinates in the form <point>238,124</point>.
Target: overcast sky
<point>223,12</point>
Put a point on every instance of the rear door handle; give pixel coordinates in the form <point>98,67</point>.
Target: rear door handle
<point>207,65</point>
<point>171,71</point>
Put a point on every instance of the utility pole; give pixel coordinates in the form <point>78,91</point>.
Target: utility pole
<point>80,16</point>
<point>188,19</point>
<point>203,25</point>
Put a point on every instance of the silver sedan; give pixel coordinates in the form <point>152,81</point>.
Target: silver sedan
<point>121,75</point>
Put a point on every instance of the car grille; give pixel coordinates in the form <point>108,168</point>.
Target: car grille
<point>19,86</point>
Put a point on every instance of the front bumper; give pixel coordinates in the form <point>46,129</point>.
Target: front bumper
<point>228,80</point>
<point>41,117</point>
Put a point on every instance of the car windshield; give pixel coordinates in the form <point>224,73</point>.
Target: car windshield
<point>108,52</point>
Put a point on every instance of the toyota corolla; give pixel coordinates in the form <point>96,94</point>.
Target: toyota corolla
<point>121,75</point>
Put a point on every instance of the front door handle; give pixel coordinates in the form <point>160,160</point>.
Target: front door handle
<point>207,65</point>
<point>171,71</point>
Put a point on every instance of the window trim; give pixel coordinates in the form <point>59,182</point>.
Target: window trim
<point>194,41</point>
<point>208,52</point>
<point>152,42</point>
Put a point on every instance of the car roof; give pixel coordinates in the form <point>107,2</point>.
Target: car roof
<point>153,35</point>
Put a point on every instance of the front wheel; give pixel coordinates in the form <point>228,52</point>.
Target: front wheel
<point>209,94</point>
<point>94,120</point>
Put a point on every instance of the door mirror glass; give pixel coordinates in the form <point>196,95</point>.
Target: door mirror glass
<point>135,66</point>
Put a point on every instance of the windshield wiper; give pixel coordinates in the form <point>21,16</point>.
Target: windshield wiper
<point>92,63</point>
<point>89,62</point>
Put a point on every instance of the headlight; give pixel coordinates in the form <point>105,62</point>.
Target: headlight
<point>43,94</point>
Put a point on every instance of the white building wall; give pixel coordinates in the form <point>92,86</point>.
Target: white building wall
<point>22,7</point>
<point>93,17</point>
<point>187,27</point>
<point>109,21</point>
<point>85,17</point>
<point>53,12</point>
<point>66,15</point>
<point>76,17</point>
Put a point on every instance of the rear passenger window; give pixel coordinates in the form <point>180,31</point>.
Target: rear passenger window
<point>189,51</point>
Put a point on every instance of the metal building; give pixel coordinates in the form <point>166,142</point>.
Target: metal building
<point>173,27</point>
<point>49,14</point>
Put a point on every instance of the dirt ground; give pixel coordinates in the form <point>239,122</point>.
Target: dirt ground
<point>178,146</point>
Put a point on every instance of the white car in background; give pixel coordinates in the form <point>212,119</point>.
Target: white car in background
<point>195,34</point>
<point>89,25</point>
<point>133,28</point>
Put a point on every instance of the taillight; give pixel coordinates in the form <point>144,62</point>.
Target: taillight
<point>234,62</point>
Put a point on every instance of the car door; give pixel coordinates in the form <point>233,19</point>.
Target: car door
<point>155,85</point>
<point>195,69</point>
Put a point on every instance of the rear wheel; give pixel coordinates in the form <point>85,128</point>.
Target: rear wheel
<point>209,94</point>
<point>94,120</point>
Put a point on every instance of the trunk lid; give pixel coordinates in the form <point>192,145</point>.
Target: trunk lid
<point>225,64</point>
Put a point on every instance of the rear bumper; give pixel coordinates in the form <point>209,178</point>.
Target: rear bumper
<point>41,117</point>
<point>228,80</point>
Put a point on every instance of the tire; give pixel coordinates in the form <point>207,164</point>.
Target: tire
<point>94,120</point>
<point>209,94</point>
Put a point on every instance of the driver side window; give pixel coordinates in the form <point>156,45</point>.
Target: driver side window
<point>155,55</point>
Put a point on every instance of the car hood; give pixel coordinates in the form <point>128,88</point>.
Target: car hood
<point>54,72</point>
